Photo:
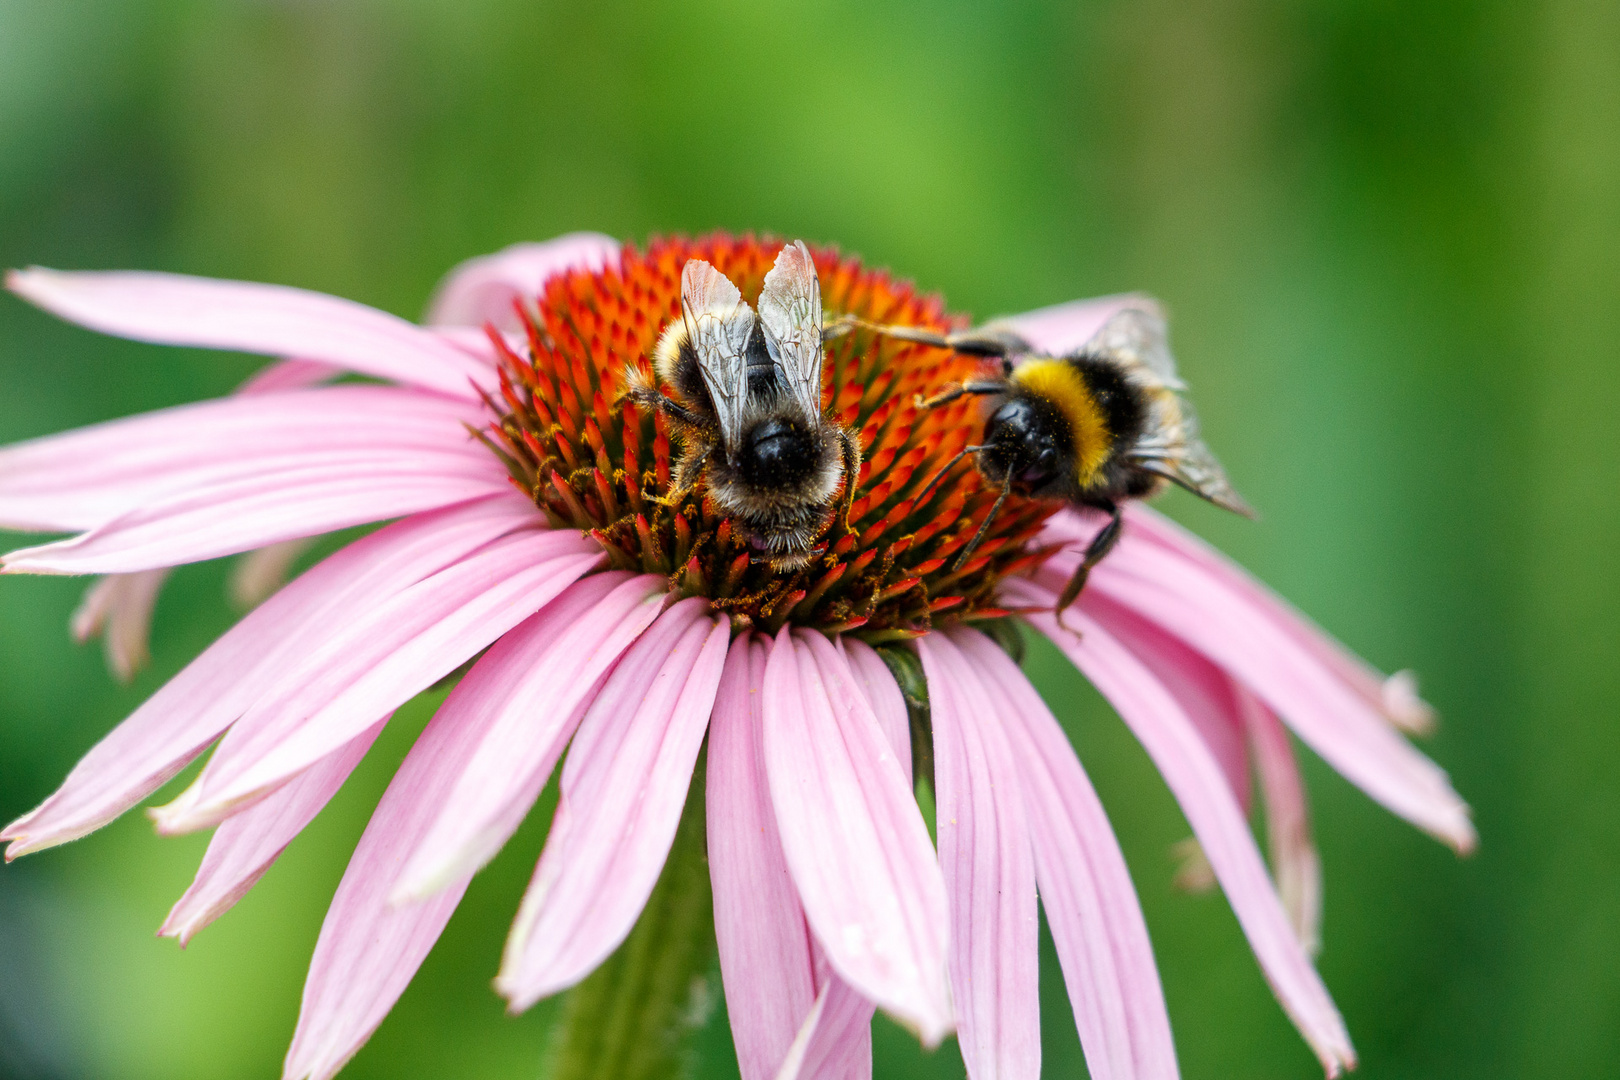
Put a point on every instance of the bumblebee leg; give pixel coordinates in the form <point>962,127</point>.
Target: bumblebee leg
<point>852,470</point>
<point>651,400</point>
<point>967,552</point>
<point>1100,545</point>
<point>957,391</point>
<point>688,471</point>
<point>988,341</point>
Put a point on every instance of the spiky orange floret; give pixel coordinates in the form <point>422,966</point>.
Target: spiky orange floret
<point>593,463</point>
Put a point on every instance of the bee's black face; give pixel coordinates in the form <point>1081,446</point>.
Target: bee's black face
<point>1022,439</point>
<point>776,454</point>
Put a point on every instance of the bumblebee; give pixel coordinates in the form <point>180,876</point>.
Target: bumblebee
<point>1094,428</point>
<point>747,406</point>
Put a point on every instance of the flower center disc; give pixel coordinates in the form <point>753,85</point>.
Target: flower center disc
<point>593,463</point>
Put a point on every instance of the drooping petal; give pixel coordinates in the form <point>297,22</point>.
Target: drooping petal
<point>1091,904</point>
<point>1294,862</point>
<point>853,838</point>
<point>260,573</point>
<point>534,684</point>
<point>1190,770</point>
<point>244,846</point>
<point>369,948</point>
<point>1200,687</point>
<point>767,968</point>
<point>989,868</point>
<point>835,1041</point>
<point>623,789</point>
<point>180,720</point>
<point>376,661</point>
<point>85,478</point>
<point>1395,696</point>
<point>484,289</point>
<point>121,605</point>
<point>274,320</point>
<point>119,608</point>
<point>1187,601</point>
<point>1062,328</point>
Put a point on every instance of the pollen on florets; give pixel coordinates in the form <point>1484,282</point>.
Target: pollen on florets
<point>593,462</point>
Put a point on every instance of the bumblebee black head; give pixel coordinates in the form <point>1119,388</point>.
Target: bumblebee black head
<point>1026,441</point>
<point>777,453</point>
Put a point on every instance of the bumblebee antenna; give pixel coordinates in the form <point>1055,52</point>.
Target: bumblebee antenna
<point>1006,489</point>
<point>949,465</point>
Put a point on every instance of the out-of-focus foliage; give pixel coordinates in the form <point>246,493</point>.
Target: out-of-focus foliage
<point>1389,235</point>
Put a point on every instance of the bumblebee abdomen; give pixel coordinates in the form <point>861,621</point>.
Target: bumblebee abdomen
<point>1063,385</point>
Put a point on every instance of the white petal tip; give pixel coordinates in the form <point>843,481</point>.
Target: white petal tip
<point>179,817</point>
<point>1405,709</point>
<point>181,933</point>
<point>18,281</point>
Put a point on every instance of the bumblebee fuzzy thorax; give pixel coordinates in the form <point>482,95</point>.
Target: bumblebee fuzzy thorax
<point>1051,399</point>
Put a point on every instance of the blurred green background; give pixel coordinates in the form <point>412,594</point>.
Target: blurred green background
<point>1389,235</point>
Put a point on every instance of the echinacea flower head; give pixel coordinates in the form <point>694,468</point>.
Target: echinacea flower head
<point>634,635</point>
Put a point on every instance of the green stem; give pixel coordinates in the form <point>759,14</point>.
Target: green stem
<point>633,1018</point>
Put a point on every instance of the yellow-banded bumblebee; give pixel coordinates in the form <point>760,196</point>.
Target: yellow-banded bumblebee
<point>1093,428</point>
<point>747,406</point>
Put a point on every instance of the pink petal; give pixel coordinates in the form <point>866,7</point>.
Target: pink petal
<point>529,693</point>
<point>1206,694</point>
<point>122,603</point>
<point>1394,696</point>
<point>120,607</point>
<point>239,515</point>
<point>1185,600</point>
<point>180,720</point>
<point>377,660</point>
<point>876,682</point>
<point>853,838</point>
<point>86,478</point>
<point>244,846</point>
<point>1200,688</point>
<point>1194,777</point>
<point>623,789</point>
<point>484,290</point>
<point>260,573</point>
<point>989,868</point>
<point>174,309</point>
<point>835,1042</point>
<point>791,1015</point>
<point>767,966</point>
<point>370,948</point>
<point>1091,905</point>
<point>282,375</point>
<point>1288,830</point>
<point>1063,328</point>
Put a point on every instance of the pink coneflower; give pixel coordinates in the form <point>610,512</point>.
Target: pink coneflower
<point>642,639</point>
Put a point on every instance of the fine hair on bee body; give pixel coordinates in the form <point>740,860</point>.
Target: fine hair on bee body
<point>747,406</point>
<point>1094,428</point>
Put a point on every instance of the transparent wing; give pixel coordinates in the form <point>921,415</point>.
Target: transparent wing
<point>1184,459</point>
<point>790,312</point>
<point>718,323</point>
<point>1137,336</point>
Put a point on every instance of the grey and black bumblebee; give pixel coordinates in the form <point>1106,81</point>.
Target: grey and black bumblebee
<point>1093,428</point>
<point>747,406</point>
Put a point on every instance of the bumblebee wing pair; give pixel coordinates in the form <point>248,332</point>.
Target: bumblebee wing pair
<point>1136,338</point>
<point>750,404</point>
<point>721,326</point>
